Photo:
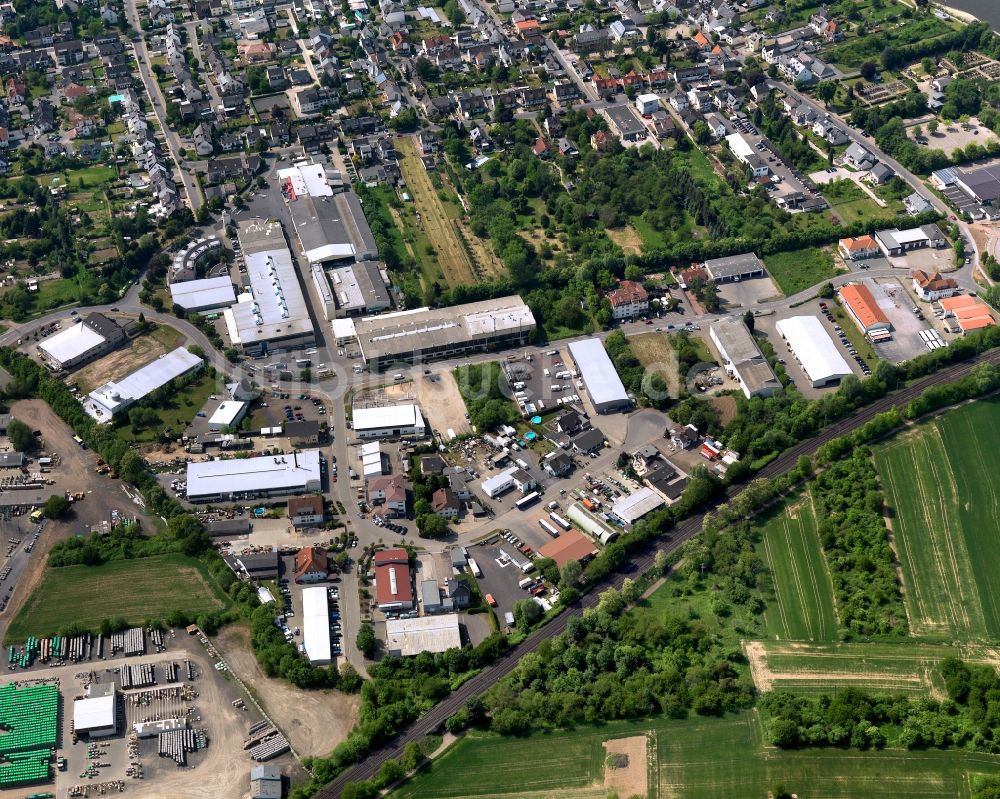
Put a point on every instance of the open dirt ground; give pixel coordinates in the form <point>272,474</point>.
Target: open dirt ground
<point>441,403</point>
<point>314,721</point>
<point>121,362</point>
<point>626,238</point>
<point>633,778</point>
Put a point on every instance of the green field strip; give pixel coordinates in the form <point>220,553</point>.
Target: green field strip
<point>140,589</point>
<point>971,437</point>
<point>802,608</point>
<point>926,481</point>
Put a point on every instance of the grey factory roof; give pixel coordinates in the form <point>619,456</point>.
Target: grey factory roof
<point>116,394</point>
<point>737,346</point>
<point>330,226</point>
<point>983,183</point>
<point>359,286</point>
<point>277,308</point>
<point>425,634</point>
<point>252,475</point>
<point>599,375</point>
<point>625,120</point>
<point>734,265</point>
<point>400,334</point>
<point>209,292</point>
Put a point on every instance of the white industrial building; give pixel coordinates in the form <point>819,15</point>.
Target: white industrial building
<point>605,387</point>
<point>203,295</point>
<point>742,357</point>
<point>316,625</point>
<point>391,421</point>
<point>514,477</point>
<point>813,348</point>
<point>407,637</point>
<point>83,341</point>
<point>426,333</point>
<point>248,478</point>
<point>636,505</point>
<point>228,414</point>
<point>96,716</point>
<point>117,395</point>
<point>373,462</point>
<point>271,314</point>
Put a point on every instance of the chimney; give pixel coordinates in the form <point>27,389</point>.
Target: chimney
<point>295,457</point>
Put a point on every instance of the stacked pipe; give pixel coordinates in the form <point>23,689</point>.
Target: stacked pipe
<point>271,747</point>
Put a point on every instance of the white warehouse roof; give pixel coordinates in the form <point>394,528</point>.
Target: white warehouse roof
<point>636,505</point>
<point>115,395</point>
<point>94,713</point>
<point>425,634</point>
<point>316,624</point>
<point>603,383</point>
<point>71,343</point>
<point>814,349</point>
<point>210,292</point>
<point>292,472</point>
<point>227,414</point>
<point>390,416</point>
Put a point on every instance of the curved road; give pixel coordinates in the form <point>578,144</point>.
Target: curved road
<point>687,529</point>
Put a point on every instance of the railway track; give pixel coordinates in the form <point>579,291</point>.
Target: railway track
<point>687,529</point>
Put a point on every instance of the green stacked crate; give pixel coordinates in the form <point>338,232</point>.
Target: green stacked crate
<point>30,717</point>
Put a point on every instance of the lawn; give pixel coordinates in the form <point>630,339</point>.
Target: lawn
<point>799,270</point>
<point>177,414</point>
<point>941,494</point>
<point>802,604</point>
<point>657,355</point>
<point>701,168</point>
<point>652,239</point>
<point>697,758</point>
<point>146,588</point>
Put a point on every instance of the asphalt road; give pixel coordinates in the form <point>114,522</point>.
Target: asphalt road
<point>478,685</point>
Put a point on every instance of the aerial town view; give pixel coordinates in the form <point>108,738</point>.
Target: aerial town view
<point>537,399</point>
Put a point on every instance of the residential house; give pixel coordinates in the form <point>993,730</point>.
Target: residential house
<point>389,492</point>
<point>932,288</point>
<point>305,511</point>
<point>445,504</point>
<point>830,131</point>
<point>858,248</point>
<point>312,565</point>
<point>629,300</point>
<point>879,174</point>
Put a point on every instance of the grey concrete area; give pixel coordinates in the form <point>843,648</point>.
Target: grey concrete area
<point>895,302</point>
<point>499,580</point>
<point>748,293</point>
<point>930,260</point>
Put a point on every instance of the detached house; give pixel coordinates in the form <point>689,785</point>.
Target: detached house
<point>629,300</point>
<point>389,491</point>
<point>445,504</point>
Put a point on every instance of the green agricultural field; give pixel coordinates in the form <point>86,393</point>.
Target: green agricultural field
<point>803,606</point>
<point>145,588</point>
<point>697,758</point>
<point>941,492</point>
<point>798,270</point>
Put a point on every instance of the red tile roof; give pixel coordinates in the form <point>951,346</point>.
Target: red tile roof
<point>570,545</point>
<point>311,559</point>
<point>627,293</point>
<point>299,505</point>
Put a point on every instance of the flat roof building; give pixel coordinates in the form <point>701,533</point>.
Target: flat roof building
<point>863,308</point>
<point>427,333</point>
<point>406,637</point>
<point>625,123</point>
<point>82,342</point>
<point>316,625</point>
<point>605,387</point>
<point>228,414</point>
<point>734,268</point>
<point>813,348</point>
<point>115,396</point>
<point>895,242</point>
<point>352,290</point>
<point>391,421</point>
<point>248,478</point>
<point>203,295</point>
<point>331,226</point>
<point>499,483</point>
<point>982,185</point>
<point>742,357</point>
<point>633,507</point>
<point>97,715</point>
<point>271,315</point>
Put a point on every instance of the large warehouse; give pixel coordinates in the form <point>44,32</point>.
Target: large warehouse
<point>316,625</point>
<point>96,716</point>
<point>352,290</point>
<point>426,333</point>
<point>629,509</point>
<point>863,308</point>
<point>271,315</point>
<point>249,478</point>
<point>734,268</point>
<point>813,348</point>
<point>331,226</point>
<point>117,395</point>
<point>605,387</point>
<point>203,295</point>
<point>391,421</point>
<point>742,357</point>
<point>407,637</point>
<point>82,342</point>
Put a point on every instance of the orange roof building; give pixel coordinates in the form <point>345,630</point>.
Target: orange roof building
<point>861,305</point>
<point>570,545</point>
<point>856,249</point>
<point>701,39</point>
<point>969,313</point>
<point>311,565</point>
<point>933,287</point>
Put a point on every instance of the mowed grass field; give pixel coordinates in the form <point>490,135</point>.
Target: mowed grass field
<point>135,589</point>
<point>798,270</point>
<point>802,604</point>
<point>656,354</point>
<point>941,487</point>
<point>697,758</point>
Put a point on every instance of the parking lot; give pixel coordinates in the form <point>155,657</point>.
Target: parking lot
<point>748,293</point>
<point>787,183</point>
<point>543,383</point>
<point>498,561</point>
<point>898,304</point>
<point>291,601</point>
